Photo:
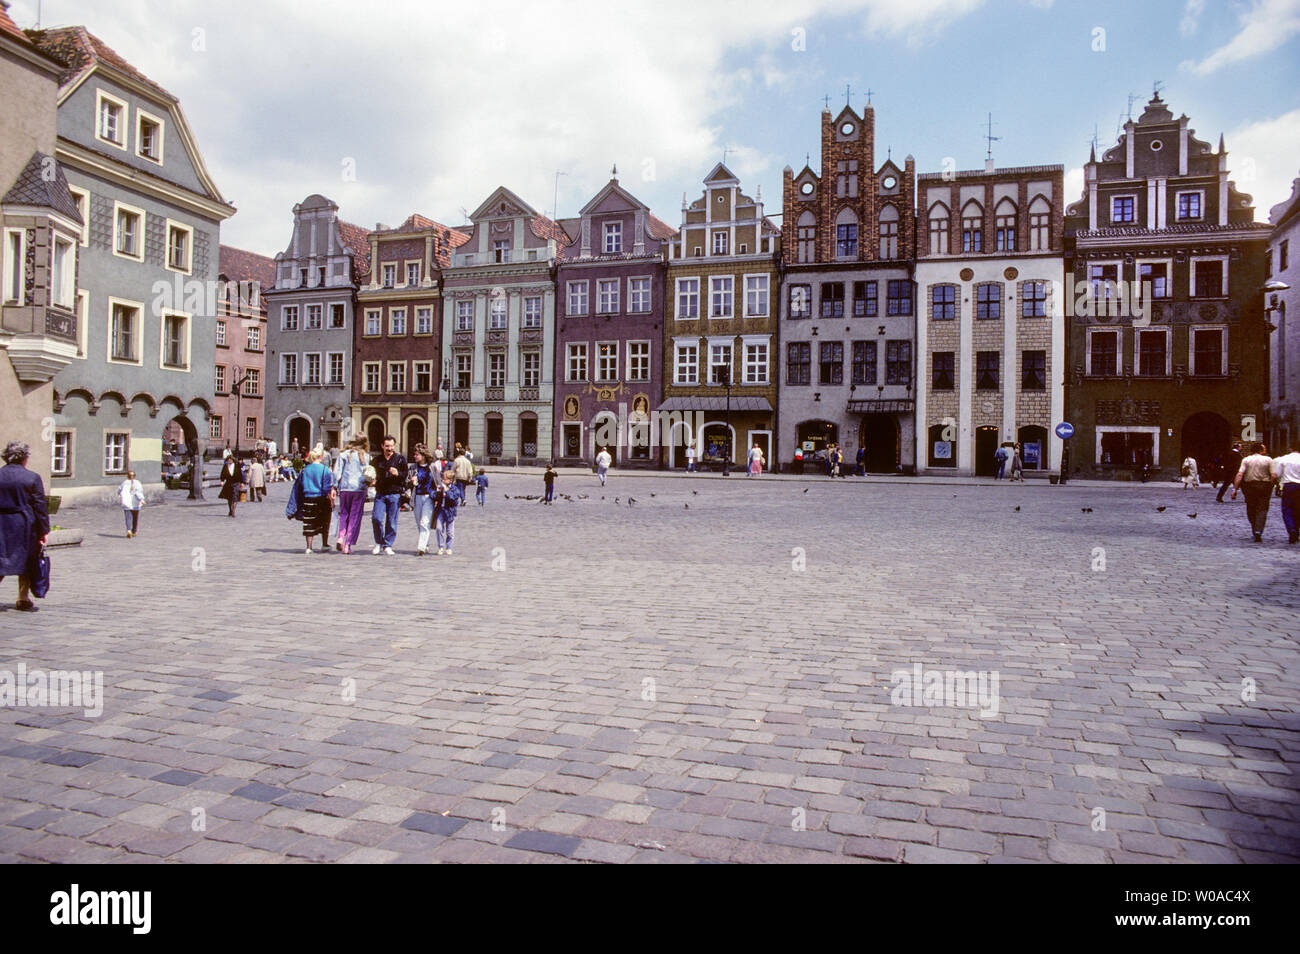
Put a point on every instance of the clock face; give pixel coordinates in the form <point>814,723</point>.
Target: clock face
<point>806,188</point>
<point>889,182</point>
<point>847,129</point>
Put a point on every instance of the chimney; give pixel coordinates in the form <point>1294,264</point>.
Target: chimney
<point>989,166</point>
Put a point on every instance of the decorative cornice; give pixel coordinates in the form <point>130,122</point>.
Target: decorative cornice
<point>87,160</point>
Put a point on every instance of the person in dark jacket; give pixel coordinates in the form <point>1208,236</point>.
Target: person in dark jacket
<point>232,475</point>
<point>24,520</point>
<point>390,481</point>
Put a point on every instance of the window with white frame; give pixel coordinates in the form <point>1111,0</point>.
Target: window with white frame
<point>1189,206</point>
<point>721,295</point>
<point>686,367</point>
<point>288,369</point>
<point>465,315</point>
<point>720,242</point>
<point>1209,352</point>
<point>397,376</point>
<point>498,318</point>
<point>180,240</point>
<point>939,230</point>
<point>613,238</point>
<point>338,315</point>
<point>412,273</point>
<point>1153,352</point>
<point>370,377</point>
<point>374,321</point>
<point>250,428</point>
<point>111,124</point>
<point>214,427</point>
<point>424,321</point>
<point>129,240</point>
<point>606,361</point>
<point>63,280</point>
<point>1156,276</point>
<point>576,365</point>
<point>397,322</point>
<point>1123,209</point>
<point>390,275</point>
<point>531,375</point>
<point>289,318</point>
<point>533,311</point>
<point>638,295</point>
<point>756,296</point>
<point>607,296</point>
<point>334,367</point>
<point>638,361</point>
<point>253,341</point>
<point>800,301</point>
<point>149,136</point>
<point>311,369</point>
<point>315,317</point>
<point>252,383</point>
<point>688,298</point>
<point>501,250</point>
<point>720,362</point>
<point>175,342</point>
<point>496,370</point>
<point>1209,278</point>
<point>756,362</point>
<point>464,369</point>
<point>577,298</point>
<point>221,333</point>
<point>1103,353</point>
<point>124,332</point>
<point>61,454</point>
<point>422,376</point>
<point>82,199</point>
<point>219,379</point>
<point>116,448</point>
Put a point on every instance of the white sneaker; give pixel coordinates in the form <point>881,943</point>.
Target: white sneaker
<point>441,551</point>
<point>308,550</point>
<point>376,550</point>
<point>388,551</point>
<point>448,553</point>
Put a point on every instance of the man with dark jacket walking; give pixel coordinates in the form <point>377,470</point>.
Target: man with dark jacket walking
<point>1226,473</point>
<point>390,481</point>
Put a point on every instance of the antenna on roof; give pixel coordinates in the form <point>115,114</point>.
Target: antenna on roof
<point>555,198</point>
<point>1155,89</point>
<point>990,137</point>
<point>1095,138</point>
<point>848,92</point>
<point>828,102</point>
<point>868,95</point>
<point>465,213</point>
<point>1132,98</point>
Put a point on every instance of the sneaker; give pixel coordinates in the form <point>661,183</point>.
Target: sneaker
<point>376,551</point>
<point>308,550</point>
<point>388,551</point>
<point>441,551</point>
<point>448,553</point>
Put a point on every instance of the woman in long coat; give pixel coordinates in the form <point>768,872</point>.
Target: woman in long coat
<point>232,475</point>
<point>24,520</point>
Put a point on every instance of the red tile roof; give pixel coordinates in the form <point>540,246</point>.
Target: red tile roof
<point>660,229</point>
<point>445,238</point>
<point>547,229</point>
<point>239,265</point>
<point>358,240</point>
<point>80,49</point>
<point>7,24</point>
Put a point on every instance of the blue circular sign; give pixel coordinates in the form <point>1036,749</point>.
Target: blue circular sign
<point>1065,430</point>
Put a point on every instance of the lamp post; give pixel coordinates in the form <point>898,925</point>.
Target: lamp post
<point>446,387</point>
<point>239,394</point>
<point>724,378</point>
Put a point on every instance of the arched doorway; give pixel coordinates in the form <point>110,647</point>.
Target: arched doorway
<point>528,435</point>
<point>459,431</point>
<point>297,428</point>
<point>878,433</point>
<point>376,430</point>
<point>495,429</point>
<point>180,453</point>
<point>1033,447</point>
<point>986,445</point>
<point>1206,436</point>
<point>679,436</point>
<point>414,434</point>
<point>718,444</point>
<point>604,433</point>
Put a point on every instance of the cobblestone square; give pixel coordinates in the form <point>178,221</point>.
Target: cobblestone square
<point>707,673</point>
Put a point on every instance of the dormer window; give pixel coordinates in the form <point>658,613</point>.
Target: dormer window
<point>111,122</point>
<point>390,276</point>
<point>149,136</point>
<point>613,238</point>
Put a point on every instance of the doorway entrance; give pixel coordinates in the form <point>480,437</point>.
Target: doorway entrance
<point>299,432</point>
<point>986,445</point>
<point>375,430</point>
<point>1206,437</point>
<point>414,434</point>
<point>879,435</point>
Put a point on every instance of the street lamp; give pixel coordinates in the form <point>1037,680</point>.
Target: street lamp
<point>446,387</point>
<point>239,394</point>
<point>723,373</point>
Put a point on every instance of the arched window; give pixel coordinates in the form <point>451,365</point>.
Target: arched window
<point>889,232</point>
<point>939,229</point>
<point>972,227</point>
<point>807,238</point>
<point>1006,226</point>
<point>1040,217</point>
<point>846,234</point>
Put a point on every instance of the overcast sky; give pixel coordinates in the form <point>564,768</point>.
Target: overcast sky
<point>431,105</point>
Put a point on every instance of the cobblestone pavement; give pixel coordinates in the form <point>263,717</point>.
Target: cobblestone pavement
<point>704,674</point>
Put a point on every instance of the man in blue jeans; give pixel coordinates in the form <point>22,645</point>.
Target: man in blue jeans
<point>390,479</point>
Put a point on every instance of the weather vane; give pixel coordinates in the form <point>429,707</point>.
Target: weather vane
<point>990,137</point>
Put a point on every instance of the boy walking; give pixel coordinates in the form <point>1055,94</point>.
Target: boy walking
<point>549,478</point>
<point>446,501</point>
<point>480,487</point>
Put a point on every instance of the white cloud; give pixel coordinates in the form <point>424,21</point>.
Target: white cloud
<point>1191,17</point>
<point>1073,185</point>
<point>1265,26</point>
<point>1262,159</point>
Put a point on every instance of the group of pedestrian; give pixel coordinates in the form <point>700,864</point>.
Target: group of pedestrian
<point>1259,477</point>
<point>1010,462</point>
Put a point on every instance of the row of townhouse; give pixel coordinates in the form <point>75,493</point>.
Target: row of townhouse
<point>925,319</point>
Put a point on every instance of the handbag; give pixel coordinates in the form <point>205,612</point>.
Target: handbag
<point>38,576</point>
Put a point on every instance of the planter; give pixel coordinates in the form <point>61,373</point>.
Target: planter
<point>52,502</point>
<point>65,538</point>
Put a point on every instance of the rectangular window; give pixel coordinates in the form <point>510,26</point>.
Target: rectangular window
<point>370,377</point>
<point>888,240</point>
<point>939,236</point>
<point>337,315</point>
<point>865,302</point>
<point>807,243</point>
<point>1152,353</point>
<point>464,370</point>
<point>63,287</point>
<point>397,376</point>
<point>532,373</point>
<point>687,365</point>
<point>219,379</point>
<point>465,315</point>
<point>606,361</point>
<point>720,243</point>
<point>1209,279</point>
<point>943,302</point>
<point>397,322</point>
<point>176,342</point>
<point>61,454</point>
<point>315,318</point>
<point>1006,233</point>
<point>1207,354</point>
<point>288,369</point>
<point>390,276</point>
<point>577,363</point>
<point>638,361</point>
<point>607,296</point>
<point>613,238</point>
<point>15,291</point>
<point>214,427</point>
<point>250,428</point>
<point>846,241</point>
<point>1189,206</point>
<point>864,362</point>
<point>115,452</point>
<point>577,298</point>
<point>1104,280</point>
<point>720,363</point>
<point>311,369</point>
<point>900,297</point>
<point>798,362</point>
<point>830,363</point>
<point>82,199</point>
<point>1103,353</point>
<point>335,367</point>
<point>1123,209</point>
<point>986,370</point>
<point>756,363</point>
<point>1283,255</point>
<point>178,247</point>
<point>424,321</point>
<point>1033,371</point>
<point>289,318</point>
<point>1038,231</point>
<point>501,250</point>
<point>149,137</point>
<point>972,235</point>
<point>1156,274</point>
<point>422,375</point>
<point>374,321</point>
<point>253,339</point>
<point>252,383</point>
<point>832,302</point>
<point>129,241</point>
<point>755,296</point>
<point>988,301</point>
<point>688,298</point>
<point>638,295</point>
<point>112,119</point>
<point>898,362</point>
<point>533,311</point>
<point>412,273</point>
<point>498,319</point>
<point>496,370</point>
<point>800,301</point>
<point>943,371</point>
<point>721,291</point>
<point>221,334</point>
<point>1033,303</point>
<point>126,333</point>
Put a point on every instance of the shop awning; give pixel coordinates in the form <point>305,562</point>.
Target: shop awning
<point>708,402</point>
<point>876,406</point>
